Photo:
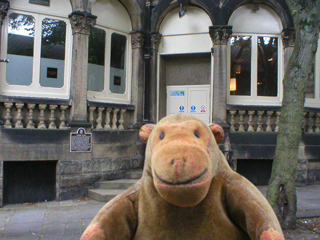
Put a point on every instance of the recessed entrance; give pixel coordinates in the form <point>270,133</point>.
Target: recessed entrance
<point>258,171</point>
<point>29,181</point>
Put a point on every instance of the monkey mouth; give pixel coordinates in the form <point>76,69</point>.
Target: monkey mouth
<point>181,183</point>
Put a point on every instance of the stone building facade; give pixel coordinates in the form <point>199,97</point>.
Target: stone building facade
<point>82,77</point>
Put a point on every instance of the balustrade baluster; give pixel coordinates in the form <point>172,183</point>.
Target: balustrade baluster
<point>91,117</point>
<point>99,119</point>
<point>241,121</point>
<point>278,113</point>
<point>304,123</point>
<point>107,126</point>
<point>31,107</point>
<point>114,118</point>
<point>310,122</point>
<point>232,121</point>
<point>250,121</point>
<point>121,120</point>
<point>260,122</point>
<point>63,117</point>
<point>52,118</point>
<point>269,126</point>
<point>42,118</point>
<point>19,117</point>
<point>8,116</point>
<point>317,124</point>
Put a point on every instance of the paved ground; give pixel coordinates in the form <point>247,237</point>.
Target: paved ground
<point>68,219</point>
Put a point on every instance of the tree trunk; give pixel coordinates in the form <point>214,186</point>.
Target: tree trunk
<point>281,191</point>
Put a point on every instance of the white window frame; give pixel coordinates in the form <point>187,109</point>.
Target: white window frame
<point>315,102</point>
<point>35,89</point>
<point>106,95</point>
<point>254,99</point>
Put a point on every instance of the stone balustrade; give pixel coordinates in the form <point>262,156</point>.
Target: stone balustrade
<point>107,118</point>
<point>267,121</point>
<point>35,116</point>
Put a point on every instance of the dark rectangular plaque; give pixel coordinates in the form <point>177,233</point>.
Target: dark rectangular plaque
<point>40,2</point>
<point>81,141</point>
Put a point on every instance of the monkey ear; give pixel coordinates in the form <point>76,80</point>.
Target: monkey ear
<point>145,132</point>
<point>217,131</point>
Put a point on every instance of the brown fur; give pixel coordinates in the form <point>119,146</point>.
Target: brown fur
<point>187,191</point>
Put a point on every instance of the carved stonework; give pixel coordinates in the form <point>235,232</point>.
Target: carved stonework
<point>82,21</point>
<point>155,40</point>
<point>4,7</point>
<point>220,34</point>
<point>288,37</point>
<point>137,39</point>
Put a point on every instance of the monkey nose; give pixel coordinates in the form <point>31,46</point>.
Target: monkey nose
<point>178,161</point>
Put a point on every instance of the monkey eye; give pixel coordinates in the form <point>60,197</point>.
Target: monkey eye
<point>197,134</point>
<point>162,135</point>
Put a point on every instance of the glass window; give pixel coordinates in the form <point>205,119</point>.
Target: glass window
<point>96,66</point>
<point>20,49</point>
<point>53,39</point>
<point>267,82</point>
<point>117,63</point>
<point>240,65</point>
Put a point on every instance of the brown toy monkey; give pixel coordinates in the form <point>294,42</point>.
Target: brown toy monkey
<point>187,191</point>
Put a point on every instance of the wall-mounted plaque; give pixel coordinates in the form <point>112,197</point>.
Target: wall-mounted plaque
<point>81,141</point>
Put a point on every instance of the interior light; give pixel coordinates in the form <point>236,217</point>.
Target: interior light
<point>233,84</point>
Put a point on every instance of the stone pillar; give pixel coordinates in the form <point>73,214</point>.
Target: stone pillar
<point>155,42</point>
<point>1,183</point>
<point>81,22</point>
<point>137,80</point>
<point>220,36</point>
<point>288,39</point>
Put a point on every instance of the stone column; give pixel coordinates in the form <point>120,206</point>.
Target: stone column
<point>137,80</point>
<point>81,22</point>
<point>155,42</point>
<point>288,39</point>
<point>220,36</point>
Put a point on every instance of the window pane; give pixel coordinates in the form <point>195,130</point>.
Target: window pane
<point>53,41</point>
<point>20,49</point>
<point>240,82</point>
<point>118,68</point>
<point>96,66</point>
<point>267,66</point>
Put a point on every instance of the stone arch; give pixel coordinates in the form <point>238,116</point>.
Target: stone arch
<point>136,12</point>
<point>165,6</point>
<point>280,7</point>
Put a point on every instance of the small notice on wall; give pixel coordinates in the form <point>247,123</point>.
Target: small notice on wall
<point>177,93</point>
<point>81,141</point>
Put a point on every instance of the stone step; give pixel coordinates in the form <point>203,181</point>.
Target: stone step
<point>116,184</point>
<point>134,174</point>
<point>103,195</point>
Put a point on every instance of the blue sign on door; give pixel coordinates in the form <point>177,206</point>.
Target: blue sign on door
<point>181,109</point>
<point>193,108</point>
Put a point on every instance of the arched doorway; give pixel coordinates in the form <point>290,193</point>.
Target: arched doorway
<point>185,65</point>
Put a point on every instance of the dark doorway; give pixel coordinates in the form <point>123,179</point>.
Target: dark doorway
<point>258,171</point>
<point>29,181</point>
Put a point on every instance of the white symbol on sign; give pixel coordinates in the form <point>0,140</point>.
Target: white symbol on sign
<point>181,109</point>
<point>193,108</point>
<point>203,108</point>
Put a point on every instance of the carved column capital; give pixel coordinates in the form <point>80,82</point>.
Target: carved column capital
<point>155,40</point>
<point>137,39</point>
<point>82,21</point>
<point>220,34</point>
<point>4,7</point>
<point>288,37</point>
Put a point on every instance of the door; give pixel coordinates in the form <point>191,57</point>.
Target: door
<point>191,99</point>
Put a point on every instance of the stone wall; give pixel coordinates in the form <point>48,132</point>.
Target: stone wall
<point>113,153</point>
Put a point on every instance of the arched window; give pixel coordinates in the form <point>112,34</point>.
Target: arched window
<point>255,56</point>
<point>109,54</point>
<point>37,41</point>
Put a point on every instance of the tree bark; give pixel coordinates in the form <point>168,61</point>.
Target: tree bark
<point>281,191</point>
